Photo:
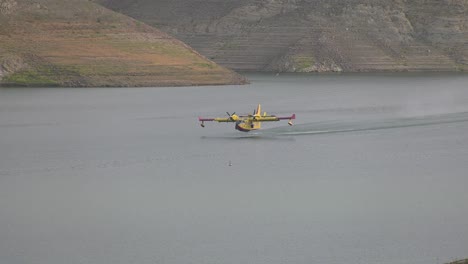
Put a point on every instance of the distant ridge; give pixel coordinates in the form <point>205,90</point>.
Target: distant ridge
<point>463,261</point>
<point>316,35</point>
<point>79,43</point>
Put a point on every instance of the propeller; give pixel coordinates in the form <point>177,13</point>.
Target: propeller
<point>231,116</point>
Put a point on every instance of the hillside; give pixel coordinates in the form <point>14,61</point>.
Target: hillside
<point>463,261</point>
<point>315,35</point>
<point>80,43</point>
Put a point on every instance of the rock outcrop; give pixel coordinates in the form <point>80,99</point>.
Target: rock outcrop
<point>10,65</point>
<point>7,6</point>
<point>316,35</point>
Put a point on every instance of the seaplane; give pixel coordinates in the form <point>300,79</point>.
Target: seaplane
<point>247,123</point>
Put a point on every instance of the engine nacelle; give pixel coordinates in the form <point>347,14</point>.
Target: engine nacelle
<point>234,117</point>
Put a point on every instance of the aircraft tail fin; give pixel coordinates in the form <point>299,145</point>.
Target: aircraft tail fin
<point>257,113</point>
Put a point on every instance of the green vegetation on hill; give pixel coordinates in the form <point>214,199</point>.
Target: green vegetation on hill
<point>80,43</point>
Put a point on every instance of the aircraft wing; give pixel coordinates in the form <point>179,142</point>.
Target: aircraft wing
<point>272,118</point>
<point>205,119</point>
<point>217,119</point>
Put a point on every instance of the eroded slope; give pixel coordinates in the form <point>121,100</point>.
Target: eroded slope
<point>80,43</point>
<point>316,35</point>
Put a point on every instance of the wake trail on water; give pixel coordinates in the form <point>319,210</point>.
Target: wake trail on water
<point>325,127</point>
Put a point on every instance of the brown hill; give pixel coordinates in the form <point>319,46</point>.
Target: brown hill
<point>80,43</point>
<point>316,35</point>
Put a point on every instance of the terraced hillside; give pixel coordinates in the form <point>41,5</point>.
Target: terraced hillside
<point>316,35</point>
<point>80,43</point>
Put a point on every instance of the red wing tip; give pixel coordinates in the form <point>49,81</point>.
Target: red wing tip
<point>205,119</point>
<point>288,117</point>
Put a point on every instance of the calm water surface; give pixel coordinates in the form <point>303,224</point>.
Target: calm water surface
<point>375,170</point>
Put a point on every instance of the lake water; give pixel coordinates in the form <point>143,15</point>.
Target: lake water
<point>375,170</point>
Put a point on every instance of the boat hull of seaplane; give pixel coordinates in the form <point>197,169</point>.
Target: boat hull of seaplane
<point>247,126</point>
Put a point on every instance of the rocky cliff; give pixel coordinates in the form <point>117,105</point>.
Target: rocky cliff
<point>80,43</point>
<point>316,35</point>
